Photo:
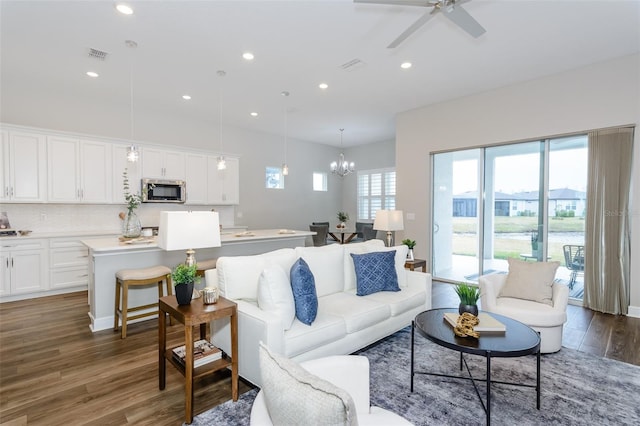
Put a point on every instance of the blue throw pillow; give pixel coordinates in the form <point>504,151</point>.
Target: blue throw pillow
<point>304,292</point>
<point>375,272</point>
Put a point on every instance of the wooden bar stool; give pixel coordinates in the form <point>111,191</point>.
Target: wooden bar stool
<point>204,265</point>
<point>138,277</point>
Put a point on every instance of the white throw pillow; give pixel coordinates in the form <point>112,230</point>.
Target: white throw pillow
<point>296,397</point>
<point>327,265</point>
<point>530,281</point>
<point>274,294</point>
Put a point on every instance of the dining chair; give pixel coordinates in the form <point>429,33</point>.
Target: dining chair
<point>320,239</point>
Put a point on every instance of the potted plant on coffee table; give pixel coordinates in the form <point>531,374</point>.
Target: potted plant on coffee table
<point>469,296</point>
<point>184,277</point>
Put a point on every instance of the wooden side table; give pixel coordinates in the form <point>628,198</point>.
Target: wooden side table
<point>416,263</point>
<point>197,313</point>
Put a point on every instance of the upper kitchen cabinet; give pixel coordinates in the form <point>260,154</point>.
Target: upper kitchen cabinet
<point>23,166</point>
<point>196,178</point>
<point>79,170</point>
<point>162,164</point>
<point>120,163</point>
<point>223,185</point>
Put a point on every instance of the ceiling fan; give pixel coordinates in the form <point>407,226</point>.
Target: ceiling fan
<point>452,9</point>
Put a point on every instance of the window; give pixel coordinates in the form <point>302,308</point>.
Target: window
<point>319,181</point>
<point>376,191</point>
<point>274,178</point>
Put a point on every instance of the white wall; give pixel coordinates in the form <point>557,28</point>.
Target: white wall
<point>601,95</point>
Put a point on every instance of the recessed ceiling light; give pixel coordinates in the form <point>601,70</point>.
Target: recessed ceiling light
<point>92,74</point>
<point>323,86</point>
<point>406,65</point>
<point>254,114</point>
<point>186,97</point>
<point>125,9</point>
<point>248,56</point>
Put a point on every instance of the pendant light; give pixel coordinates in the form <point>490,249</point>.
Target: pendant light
<point>133,155</point>
<point>222,163</point>
<point>342,167</point>
<point>285,168</point>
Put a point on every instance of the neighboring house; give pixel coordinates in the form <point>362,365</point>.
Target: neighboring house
<point>523,203</point>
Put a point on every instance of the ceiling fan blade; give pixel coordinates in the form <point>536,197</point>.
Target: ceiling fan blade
<point>412,29</point>
<point>461,17</point>
<point>397,3</point>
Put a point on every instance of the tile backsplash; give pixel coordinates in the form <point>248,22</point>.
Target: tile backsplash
<point>102,218</point>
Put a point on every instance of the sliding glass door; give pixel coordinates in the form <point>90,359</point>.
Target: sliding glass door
<point>523,200</point>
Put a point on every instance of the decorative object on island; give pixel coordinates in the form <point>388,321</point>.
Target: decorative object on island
<point>388,220</point>
<point>343,217</point>
<point>189,230</point>
<point>131,227</point>
<point>469,296</point>
<point>342,167</point>
<point>411,244</point>
<point>184,278</point>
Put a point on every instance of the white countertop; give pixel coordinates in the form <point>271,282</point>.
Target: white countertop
<point>227,237</point>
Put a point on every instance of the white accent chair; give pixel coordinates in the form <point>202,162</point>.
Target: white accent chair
<point>348,372</point>
<point>545,319</point>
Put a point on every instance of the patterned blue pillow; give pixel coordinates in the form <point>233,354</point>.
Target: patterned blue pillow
<point>375,272</point>
<point>304,292</point>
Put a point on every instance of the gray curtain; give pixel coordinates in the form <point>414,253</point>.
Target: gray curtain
<point>607,238</point>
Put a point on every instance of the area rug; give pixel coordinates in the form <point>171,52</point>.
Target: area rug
<point>577,388</point>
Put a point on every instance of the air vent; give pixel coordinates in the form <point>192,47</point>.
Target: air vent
<point>352,65</point>
<point>97,54</point>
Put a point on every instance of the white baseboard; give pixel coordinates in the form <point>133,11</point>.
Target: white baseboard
<point>634,311</point>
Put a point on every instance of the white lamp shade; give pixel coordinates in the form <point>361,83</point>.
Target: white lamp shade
<point>188,230</point>
<point>388,220</point>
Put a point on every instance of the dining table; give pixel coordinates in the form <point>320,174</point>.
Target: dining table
<point>342,235</point>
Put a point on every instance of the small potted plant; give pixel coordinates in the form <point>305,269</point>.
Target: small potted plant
<point>469,296</point>
<point>184,277</point>
<point>411,244</point>
<point>342,218</point>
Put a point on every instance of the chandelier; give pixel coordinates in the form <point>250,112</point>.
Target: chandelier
<point>342,167</point>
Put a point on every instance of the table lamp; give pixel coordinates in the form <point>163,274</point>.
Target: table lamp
<point>188,230</point>
<point>388,220</point>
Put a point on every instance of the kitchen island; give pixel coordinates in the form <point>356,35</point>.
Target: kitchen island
<point>109,255</point>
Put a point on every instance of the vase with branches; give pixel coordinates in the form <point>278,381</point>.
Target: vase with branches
<point>131,227</point>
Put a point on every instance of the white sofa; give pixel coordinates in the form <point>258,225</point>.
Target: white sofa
<point>345,322</point>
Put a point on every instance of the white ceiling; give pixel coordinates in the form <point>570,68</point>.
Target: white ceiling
<point>298,44</point>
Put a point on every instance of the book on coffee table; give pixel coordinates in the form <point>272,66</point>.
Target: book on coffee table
<point>487,322</point>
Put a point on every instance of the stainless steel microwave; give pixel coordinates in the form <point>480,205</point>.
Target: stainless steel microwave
<point>163,191</point>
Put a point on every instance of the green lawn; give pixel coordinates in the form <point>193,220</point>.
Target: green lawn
<point>465,238</point>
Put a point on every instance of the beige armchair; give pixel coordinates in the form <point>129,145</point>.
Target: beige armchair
<point>548,320</point>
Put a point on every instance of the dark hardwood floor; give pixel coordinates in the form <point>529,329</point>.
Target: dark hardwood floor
<point>55,371</point>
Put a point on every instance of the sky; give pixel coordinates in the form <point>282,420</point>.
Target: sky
<point>517,173</point>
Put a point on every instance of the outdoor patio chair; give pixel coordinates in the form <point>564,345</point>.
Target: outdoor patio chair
<point>574,261</point>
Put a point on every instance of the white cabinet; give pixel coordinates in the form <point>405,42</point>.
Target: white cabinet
<point>223,185</point>
<point>79,170</point>
<point>120,163</point>
<point>24,267</point>
<point>23,167</point>
<point>162,164</point>
<point>196,178</point>
<point>68,263</point>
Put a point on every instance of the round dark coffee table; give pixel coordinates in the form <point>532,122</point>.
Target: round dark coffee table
<point>518,340</point>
